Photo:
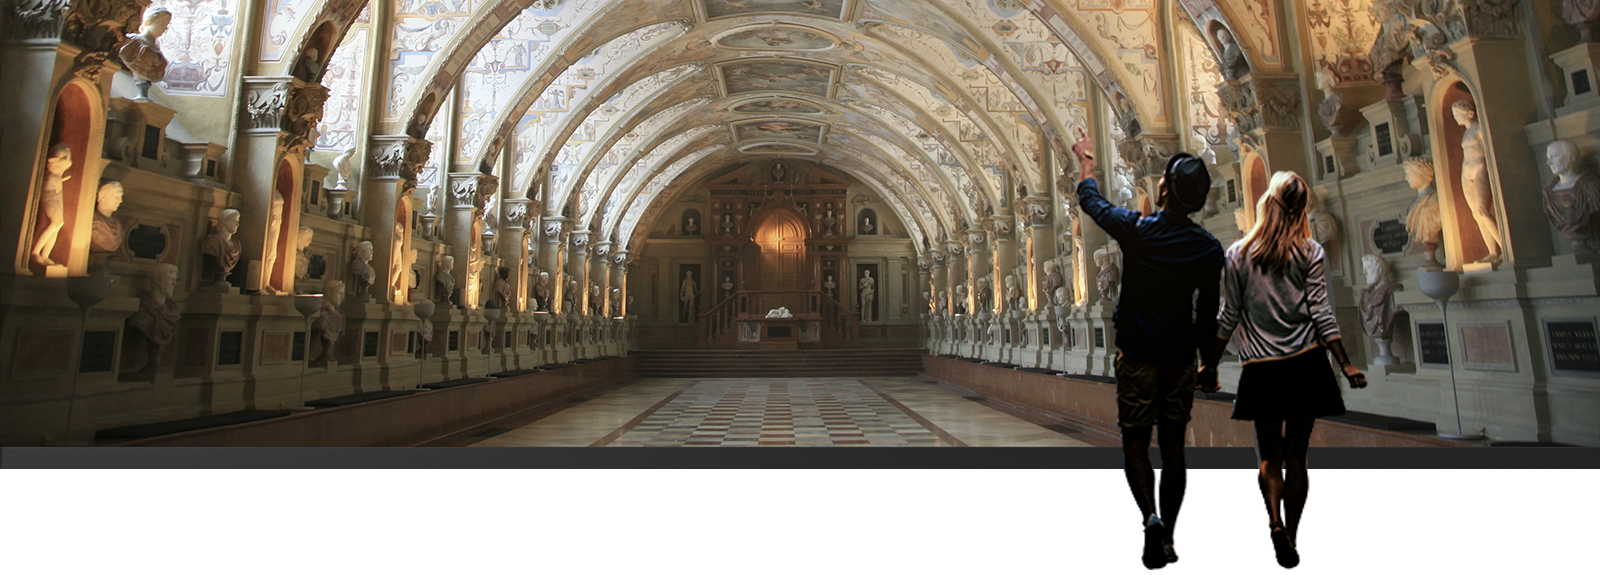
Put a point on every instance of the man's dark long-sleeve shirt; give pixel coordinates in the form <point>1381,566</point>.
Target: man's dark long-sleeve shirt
<point>1166,259</point>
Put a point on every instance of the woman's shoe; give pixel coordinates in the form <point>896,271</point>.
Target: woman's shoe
<point>1288,557</point>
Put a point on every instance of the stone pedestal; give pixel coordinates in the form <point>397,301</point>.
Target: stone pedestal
<point>1579,71</point>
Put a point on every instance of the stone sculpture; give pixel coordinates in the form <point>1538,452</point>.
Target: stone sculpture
<point>688,291</point>
<point>1422,220</point>
<point>1581,14</point>
<point>868,290</point>
<point>616,302</point>
<point>1572,198</point>
<point>274,227</point>
<point>157,317</point>
<point>329,324</point>
<point>106,235</point>
<point>1014,293</point>
<point>1324,226</point>
<point>1109,275</point>
<point>828,285</point>
<point>501,295</point>
<point>302,253</point>
<point>961,299</point>
<point>541,291</point>
<point>51,211</point>
<point>397,264</point>
<point>343,168</point>
<point>1475,178</point>
<point>361,273</point>
<point>141,54</point>
<point>866,226</point>
<point>1377,306</point>
<point>1053,279</point>
<point>1234,65</point>
<point>219,251</point>
<point>444,282</point>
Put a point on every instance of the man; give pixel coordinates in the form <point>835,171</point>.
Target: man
<point>1171,270</point>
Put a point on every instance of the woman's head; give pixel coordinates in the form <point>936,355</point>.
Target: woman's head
<point>1281,226</point>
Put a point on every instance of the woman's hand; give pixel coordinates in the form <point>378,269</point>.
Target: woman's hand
<point>1357,379</point>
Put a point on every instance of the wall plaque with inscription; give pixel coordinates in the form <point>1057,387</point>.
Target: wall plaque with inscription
<point>1390,236</point>
<point>1432,344</point>
<point>1573,345</point>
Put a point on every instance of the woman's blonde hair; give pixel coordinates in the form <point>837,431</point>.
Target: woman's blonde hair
<point>1281,224</point>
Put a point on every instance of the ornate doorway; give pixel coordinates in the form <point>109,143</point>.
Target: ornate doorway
<point>781,236</point>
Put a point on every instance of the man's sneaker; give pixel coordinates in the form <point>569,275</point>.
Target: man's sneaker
<point>1155,538</point>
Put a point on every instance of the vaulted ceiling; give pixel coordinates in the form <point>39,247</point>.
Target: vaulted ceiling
<point>608,106</point>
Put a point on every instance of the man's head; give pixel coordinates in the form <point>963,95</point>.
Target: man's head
<point>1185,184</point>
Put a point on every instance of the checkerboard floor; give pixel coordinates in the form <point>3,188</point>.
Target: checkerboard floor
<point>777,412</point>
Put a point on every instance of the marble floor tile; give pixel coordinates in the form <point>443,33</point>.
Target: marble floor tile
<point>781,412</point>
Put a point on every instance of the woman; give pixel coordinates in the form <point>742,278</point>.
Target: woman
<point>1275,294</point>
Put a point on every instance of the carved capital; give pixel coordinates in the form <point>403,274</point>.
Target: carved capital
<point>401,157</point>
<point>31,19</point>
<point>579,240</point>
<point>302,113</point>
<point>94,25</point>
<point>89,65</point>
<point>1279,102</point>
<point>264,103</point>
<point>469,190</point>
<point>552,228</point>
<point>1034,211</point>
<point>516,213</point>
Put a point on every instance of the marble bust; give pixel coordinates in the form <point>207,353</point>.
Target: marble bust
<point>1233,61</point>
<point>984,297</point>
<point>141,54</point>
<point>302,253</point>
<point>1053,279</point>
<point>219,250</point>
<point>445,283</point>
<point>157,316</point>
<point>1475,178</point>
<point>51,211</point>
<point>361,273</point>
<point>541,290</point>
<point>1378,307</point>
<point>1422,220</point>
<point>329,324</point>
<point>107,233</point>
<point>1572,198</point>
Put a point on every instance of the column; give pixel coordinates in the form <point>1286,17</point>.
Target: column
<point>463,232</point>
<point>578,266</point>
<point>978,267</point>
<point>956,273</point>
<point>600,275</point>
<point>619,279</point>
<point>1041,246</point>
<point>550,258</point>
<point>1005,254</point>
<point>386,202</point>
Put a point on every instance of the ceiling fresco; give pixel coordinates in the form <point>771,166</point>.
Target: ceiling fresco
<point>597,107</point>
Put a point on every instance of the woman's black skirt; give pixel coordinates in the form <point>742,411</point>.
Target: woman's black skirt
<point>1298,387</point>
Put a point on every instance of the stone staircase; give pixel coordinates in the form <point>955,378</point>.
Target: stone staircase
<point>810,363</point>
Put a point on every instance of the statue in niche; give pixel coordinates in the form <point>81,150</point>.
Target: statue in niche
<point>1053,279</point>
<point>1422,220</point>
<point>727,286</point>
<point>1572,198</point>
<point>961,299</point>
<point>397,264</point>
<point>219,251</point>
<point>541,291</point>
<point>616,302</point>
<point>727,224</point>
<point>928,298</point>
<point>938,305</point>
<point>1234,65</point>
<point>868,290</point>
<point>157,317</point>
<point>444,283</point>
<point>778,172</point>
<point>1475,178</point>
<point>1377,306</point>
<point>309,68</point>
<point>691,228</point>
<point>629,308</point>
<point>866,226</point>
<point>829,221</point>
<point>51,211</point>
<point>474,284</point>
<point>274,227</point>
<point>362,275</point>
<point>141,54</point>
<point>106,235</point>
<point>985,296</point>
<point>597,299</point>
<point>302,253</point>
<point>329,324</point>
<point>688,292</point>
<point>501,295</point>
<point>1324,226</point>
